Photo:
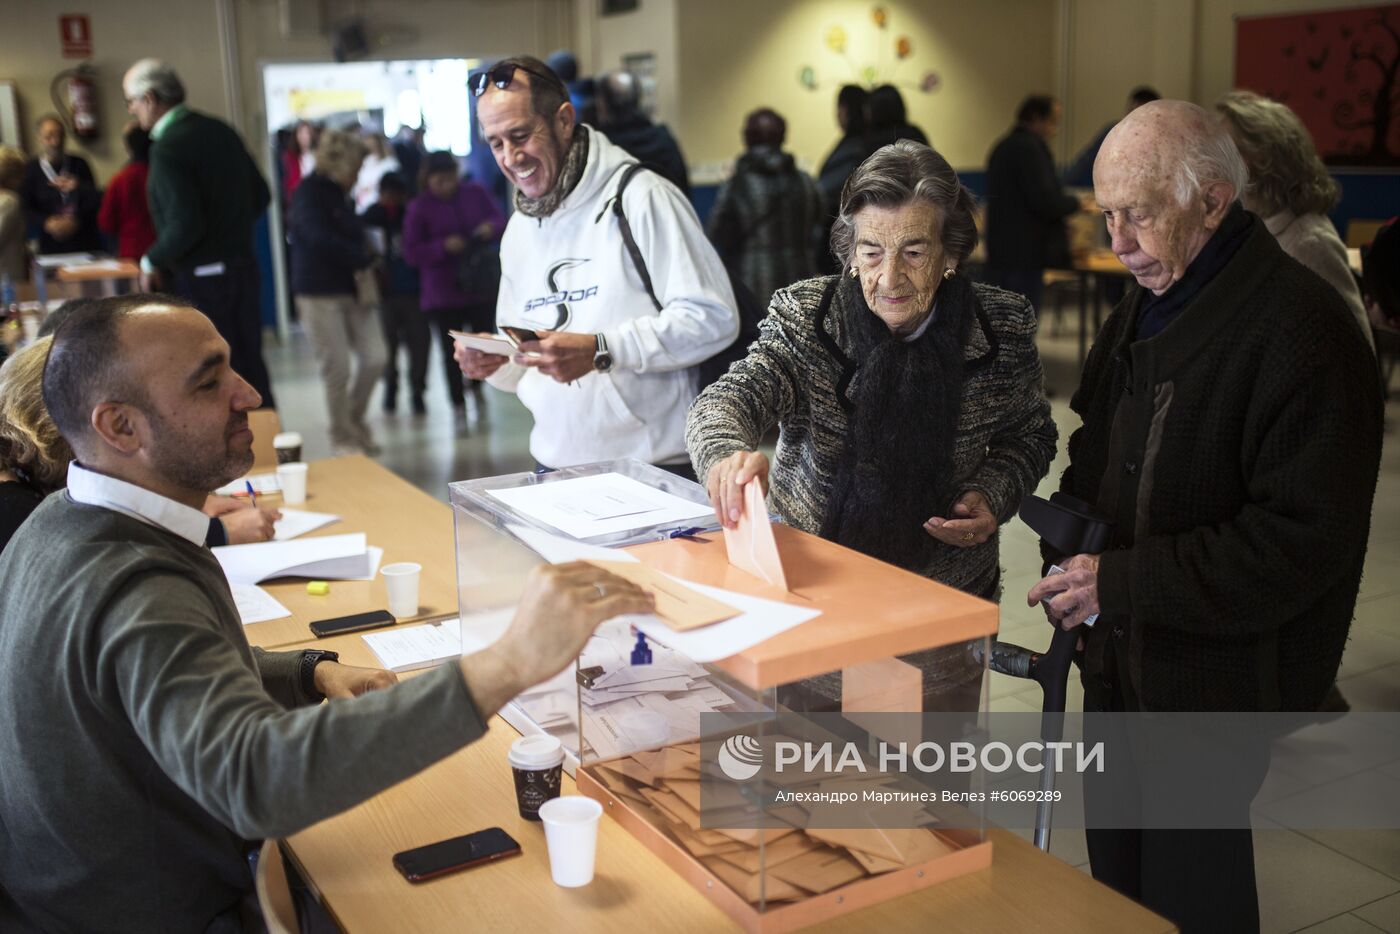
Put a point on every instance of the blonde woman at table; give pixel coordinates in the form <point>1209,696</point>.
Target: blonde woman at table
<point>145,742</point>
<point>34,458</point>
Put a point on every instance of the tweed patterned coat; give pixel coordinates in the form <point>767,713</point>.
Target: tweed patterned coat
<point>797,376</point>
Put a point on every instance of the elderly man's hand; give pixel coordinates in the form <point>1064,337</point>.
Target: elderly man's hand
<point>561,355</point>
<point>1076,591</point>
<point>476,364</point>
<point>725,484</point>
<point>561,606</point>
<point>66,183</point>
<point>972,522</point>
<point>339,682</point>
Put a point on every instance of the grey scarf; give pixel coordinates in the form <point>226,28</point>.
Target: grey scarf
<point>569,174</point>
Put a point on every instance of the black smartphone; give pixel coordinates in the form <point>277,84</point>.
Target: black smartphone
<point>518,336</point>
<point>438,859</point>
<point>343,624</point>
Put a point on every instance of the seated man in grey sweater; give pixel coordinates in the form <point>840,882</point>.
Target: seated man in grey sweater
<point>144,743</point>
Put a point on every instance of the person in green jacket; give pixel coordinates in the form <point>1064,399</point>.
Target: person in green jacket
<point>206,195</point>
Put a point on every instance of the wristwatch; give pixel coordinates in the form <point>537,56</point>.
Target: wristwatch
<point>310,658</point>
<point>602,357</point>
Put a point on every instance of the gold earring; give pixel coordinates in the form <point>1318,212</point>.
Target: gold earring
<point>854,272</point>
<point>948,273</point>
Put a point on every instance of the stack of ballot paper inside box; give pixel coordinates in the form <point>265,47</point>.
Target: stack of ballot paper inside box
<point>663,787</point>
<point>628,707</point>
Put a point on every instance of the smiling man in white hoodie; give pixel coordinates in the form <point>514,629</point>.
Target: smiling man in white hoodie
<point>612,376</point>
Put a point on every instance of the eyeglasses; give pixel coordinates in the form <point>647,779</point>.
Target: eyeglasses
<point>501,76</point>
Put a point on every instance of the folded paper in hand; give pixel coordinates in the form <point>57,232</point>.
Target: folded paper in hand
<point>752,546</point>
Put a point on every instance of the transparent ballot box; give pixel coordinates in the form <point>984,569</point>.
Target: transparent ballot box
<point>507,525</point>
<point>770,757</point>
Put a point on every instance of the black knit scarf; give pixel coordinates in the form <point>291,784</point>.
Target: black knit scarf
<point>897,468</point>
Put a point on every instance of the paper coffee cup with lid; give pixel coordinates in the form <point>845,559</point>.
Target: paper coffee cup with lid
<point>287,444</point>
<point>538,763</point>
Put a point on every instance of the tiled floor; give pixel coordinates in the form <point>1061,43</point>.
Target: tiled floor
<point>1327,882</point>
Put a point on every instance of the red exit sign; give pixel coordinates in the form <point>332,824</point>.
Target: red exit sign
<point>75,30</point>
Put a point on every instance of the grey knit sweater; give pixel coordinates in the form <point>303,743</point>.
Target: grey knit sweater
<point>1005,435</point>
<point>143,740</point>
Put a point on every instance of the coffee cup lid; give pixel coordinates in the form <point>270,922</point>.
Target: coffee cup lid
<point>286,439</point>
<point>536,752</point>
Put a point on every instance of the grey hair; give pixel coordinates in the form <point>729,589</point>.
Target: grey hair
<point>155,76</point>
<point>1285,170</point>
<point>897,174</point>
<point>1208,158</point>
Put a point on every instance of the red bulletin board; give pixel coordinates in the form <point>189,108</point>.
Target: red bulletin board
<point>1340,72</point>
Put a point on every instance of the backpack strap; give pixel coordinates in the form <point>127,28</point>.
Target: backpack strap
<point>629,241</point>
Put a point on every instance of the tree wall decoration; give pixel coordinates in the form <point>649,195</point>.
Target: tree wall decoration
<point>886,66</point>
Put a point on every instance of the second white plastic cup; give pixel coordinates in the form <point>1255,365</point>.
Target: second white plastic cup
<point>571,833</point>
<point>292,479</point>
<point>401,584</point>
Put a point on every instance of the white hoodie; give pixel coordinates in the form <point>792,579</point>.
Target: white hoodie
<point>570,272</point>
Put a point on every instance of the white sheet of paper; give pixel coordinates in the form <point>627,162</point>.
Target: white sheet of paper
<point>256,605</point>
<point>407,648</point>
<point>330,557</point>
<point>262,483</point>
<point>758,621</point>
<point>605,504</point>
<point>55,260</point>
<point>296,522</point>
<point>556,549</point>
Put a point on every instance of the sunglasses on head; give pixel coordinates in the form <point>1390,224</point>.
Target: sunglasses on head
<point>501,76</point>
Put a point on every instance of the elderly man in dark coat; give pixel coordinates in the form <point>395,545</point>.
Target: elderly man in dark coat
<point>1232,428</point>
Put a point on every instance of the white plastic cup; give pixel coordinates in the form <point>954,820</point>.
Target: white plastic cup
<point>292,479</point>
<point>401,583</point>
<point>287,446</point>
<point>571,833</point>
<point>29,326</point>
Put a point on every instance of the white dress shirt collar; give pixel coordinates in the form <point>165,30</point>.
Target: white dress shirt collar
<point>95,489</point>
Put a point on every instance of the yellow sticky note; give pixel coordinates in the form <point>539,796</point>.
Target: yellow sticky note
<point>318,588</point>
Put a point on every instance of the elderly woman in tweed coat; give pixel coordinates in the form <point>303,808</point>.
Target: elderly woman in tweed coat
<point>910,403</point>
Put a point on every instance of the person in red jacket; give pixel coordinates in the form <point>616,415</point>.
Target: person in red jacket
<point>125,213</point>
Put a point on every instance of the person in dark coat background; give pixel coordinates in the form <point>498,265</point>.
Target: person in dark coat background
<point>1026,207</point>
<point>889,119</point>
<point>59,195</point>
<point>850,152</point>
<point>764,216</point>
<point>620,117</point>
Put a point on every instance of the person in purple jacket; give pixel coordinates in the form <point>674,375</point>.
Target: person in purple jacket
<point>448,218</point>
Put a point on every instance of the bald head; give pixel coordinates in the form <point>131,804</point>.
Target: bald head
<point>1165,178</point>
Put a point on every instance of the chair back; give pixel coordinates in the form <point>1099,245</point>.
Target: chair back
<point>265,426</point>
<point>274,894</point>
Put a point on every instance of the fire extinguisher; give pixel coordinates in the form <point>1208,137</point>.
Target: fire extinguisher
<point>78,100</point>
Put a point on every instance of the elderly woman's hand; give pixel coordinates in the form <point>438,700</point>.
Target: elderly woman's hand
<point>972,522</point>
<point>725,484</point>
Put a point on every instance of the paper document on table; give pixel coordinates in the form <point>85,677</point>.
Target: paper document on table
<point>262,483</point>
<point>759,620</point>
<point>330,557</point>
<point>681,607</point>
<point>409,648</point>
<point>296,522</point>
<point>557,550</point>
<point>55,260</point>
<point>752,546</point>
<point>256,605</point>
<point>605,504</point>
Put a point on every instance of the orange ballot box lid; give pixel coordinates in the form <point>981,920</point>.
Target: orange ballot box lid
<point>870,610</point>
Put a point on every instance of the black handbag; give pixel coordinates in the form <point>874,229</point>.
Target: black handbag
<point>479,270</point>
